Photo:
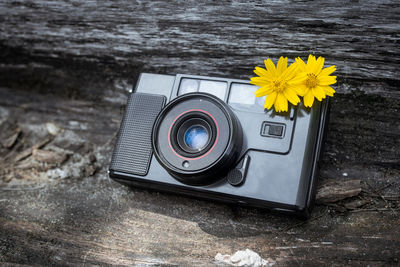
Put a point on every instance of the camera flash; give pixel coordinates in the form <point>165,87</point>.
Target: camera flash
<point>242,94</point>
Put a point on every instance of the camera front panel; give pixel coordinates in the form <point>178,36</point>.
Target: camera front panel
<point>280,151</point>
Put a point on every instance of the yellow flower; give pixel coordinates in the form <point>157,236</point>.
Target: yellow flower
<point>276,84</point>
<point>313,81</point>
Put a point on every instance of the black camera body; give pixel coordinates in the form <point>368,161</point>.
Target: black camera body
<point>211,138</point>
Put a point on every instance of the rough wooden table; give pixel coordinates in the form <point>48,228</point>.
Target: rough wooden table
<point>65,69</point>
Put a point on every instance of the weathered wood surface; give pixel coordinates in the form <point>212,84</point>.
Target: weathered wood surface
<point>70,64</point>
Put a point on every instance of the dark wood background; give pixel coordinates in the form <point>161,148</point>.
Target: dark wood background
<point>69,64</point>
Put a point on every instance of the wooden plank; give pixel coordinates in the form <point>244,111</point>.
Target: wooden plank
<point>92,220</point>
<point>220,38</point>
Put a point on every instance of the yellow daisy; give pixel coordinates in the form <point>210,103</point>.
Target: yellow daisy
<point>313,81</point>
<point>276,83</point>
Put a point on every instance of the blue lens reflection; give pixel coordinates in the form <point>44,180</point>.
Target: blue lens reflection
<point>196,137</point>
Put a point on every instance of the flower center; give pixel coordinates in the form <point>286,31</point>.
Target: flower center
<point>312,80</point>
<point>279,85</point>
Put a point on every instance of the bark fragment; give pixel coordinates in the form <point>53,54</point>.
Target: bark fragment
<point>48,156</point>
<point>331,191</point>
<point>10,141</point>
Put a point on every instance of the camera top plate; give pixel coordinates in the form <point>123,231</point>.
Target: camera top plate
<point>273,132</point>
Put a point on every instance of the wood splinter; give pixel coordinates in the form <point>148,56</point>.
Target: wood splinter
<point>48,156</point>
<point>331,191</point>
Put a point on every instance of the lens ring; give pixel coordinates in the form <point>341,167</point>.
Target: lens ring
<point>216,158</point>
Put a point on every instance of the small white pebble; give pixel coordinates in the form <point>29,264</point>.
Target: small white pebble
<point>244,258</point>
<point>52,128</point>
<point>345,174</point>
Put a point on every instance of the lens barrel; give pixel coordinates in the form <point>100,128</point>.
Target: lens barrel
<point>197,138</point>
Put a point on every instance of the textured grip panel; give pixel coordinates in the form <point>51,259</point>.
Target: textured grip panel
<point>132,153</point>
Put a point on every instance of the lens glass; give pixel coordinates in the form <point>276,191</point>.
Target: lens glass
<point>196,137</point>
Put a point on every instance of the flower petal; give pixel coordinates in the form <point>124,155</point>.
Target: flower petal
<point>327,71</point>
<point>301,65</point>
<point>260,81</point>
<point>300,89</point>
<point>270,100</point>
<point>270,66</point>
<point>311,60</point>
<point>290,72</point>
<point>263,73</point>
<point>328,90</point>
<point>265,90</point>
<point>327,80</point>
<point>299,78</point>
<point>318,93</point>
<point>282,65</point>
<point>281,103</point>
<point>291,95</point>
<point>308,99</point>
<point>319,64</point>
<point>311,63</point>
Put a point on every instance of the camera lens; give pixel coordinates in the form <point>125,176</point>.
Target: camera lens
<point>192,134</point>
<point>196,137</point>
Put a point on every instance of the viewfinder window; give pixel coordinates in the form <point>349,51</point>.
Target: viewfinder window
<point>213,87</point>
<point>189,85</point>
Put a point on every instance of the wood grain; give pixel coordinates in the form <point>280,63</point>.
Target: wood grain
<point>71,63</point>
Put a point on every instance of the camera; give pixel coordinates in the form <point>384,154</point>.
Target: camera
<point>211,138</point>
